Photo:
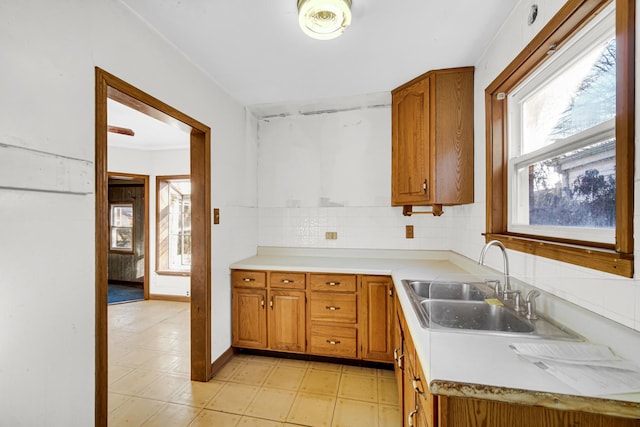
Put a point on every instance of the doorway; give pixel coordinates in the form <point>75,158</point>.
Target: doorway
<point>128,258</point>
<point>108,86</point>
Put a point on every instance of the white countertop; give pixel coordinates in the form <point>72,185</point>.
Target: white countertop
<point>451,359</point>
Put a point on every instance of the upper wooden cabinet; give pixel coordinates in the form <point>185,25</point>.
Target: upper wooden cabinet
<point>432,139</point>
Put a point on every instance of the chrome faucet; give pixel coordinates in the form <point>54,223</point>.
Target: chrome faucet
<point>530,302</point>
<point>507,285</point>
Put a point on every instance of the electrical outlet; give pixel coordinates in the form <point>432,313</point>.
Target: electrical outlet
<point>331,235</point>
<point>409,231</point>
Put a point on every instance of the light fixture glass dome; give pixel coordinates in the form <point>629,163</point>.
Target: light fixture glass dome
<point>324,19</point>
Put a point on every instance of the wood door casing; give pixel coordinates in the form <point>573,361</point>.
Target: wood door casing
<point>110,86</point>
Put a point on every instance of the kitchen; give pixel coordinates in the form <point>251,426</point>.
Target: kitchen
<point>52,52</point>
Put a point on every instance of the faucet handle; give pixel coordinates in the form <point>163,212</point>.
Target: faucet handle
<point>530,302</point>
<point>495,284</point>
<point>517,301</point>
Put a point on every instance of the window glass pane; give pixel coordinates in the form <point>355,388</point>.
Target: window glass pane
<point>122,215</point>
<point>175,224</point>
<point>578,98</point>
<point>122,238</point>
<point>574,189</point>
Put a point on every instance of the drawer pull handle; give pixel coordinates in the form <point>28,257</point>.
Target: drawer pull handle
<point>333,342</point>
<point>248,279</point>
<point>286,281</point>
<point>410,416</point>
<point>262,303</point>
<point>332,283</point>
<point>332,307</point>
<point>400,361</point>
<point>414,382</point>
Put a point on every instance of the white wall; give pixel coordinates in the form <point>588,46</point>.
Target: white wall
<point>308,154</point>
<point>330,171</point>
<point>154,163</point>
<point>49,51</point>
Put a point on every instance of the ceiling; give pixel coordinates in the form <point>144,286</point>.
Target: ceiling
<point>255,50</point>
<point>150,133</point>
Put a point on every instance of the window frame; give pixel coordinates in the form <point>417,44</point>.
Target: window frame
<point>162,264</point>
<point>612,258</point>
<point>116,249</point>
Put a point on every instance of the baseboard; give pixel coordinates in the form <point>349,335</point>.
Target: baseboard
<point>222,360</point>
<point>317,358</point>
<point>126,283</point>
<point>177,298</point>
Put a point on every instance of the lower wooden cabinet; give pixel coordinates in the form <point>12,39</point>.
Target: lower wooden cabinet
<point>418,405</point>
<point>377,312</point>
<point>266,317</point>
<point>326,314</point>
<point>249,317</point>
<point>465,412</point>
<point>287,320</point>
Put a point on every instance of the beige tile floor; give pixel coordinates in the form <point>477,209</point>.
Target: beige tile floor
<point>149,381</point>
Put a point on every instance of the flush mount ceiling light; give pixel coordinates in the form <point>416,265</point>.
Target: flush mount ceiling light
<point>324,19</point>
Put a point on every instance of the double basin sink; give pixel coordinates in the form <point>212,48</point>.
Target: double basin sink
<point>473,306</point>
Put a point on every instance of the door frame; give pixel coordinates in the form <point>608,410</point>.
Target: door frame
<point>109,86</point>
<point>145,183</point>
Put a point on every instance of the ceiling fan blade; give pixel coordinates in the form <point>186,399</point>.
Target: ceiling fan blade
<point>121,131</point>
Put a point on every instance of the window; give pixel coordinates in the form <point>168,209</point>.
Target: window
<point>173,236</point>
<point>560,140</point>
<point>121,227</point>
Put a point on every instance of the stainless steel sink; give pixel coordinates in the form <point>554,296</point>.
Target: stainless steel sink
<point>459,306</point>
<point>474,315</point>
<point>446,290</point>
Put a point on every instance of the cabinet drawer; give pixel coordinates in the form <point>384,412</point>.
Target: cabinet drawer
<point>333,282</point>
<point>333,341</point>
<point>286,280</point>
<point>333,307</point>
<point>249,279</point>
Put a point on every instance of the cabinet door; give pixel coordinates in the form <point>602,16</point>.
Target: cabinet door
<point>426,402</point>
<point>410,149</point>
<point>287,317</point>
<point>409,403</point>
<point>376,303</point>
<point>249,317</point>
<point>398,354</point>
